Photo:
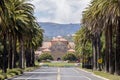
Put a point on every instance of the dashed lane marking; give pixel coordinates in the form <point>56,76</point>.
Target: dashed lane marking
<point>58,75</point>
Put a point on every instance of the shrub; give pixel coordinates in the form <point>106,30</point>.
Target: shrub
<point>15,71</point>
<point>29,69</point>
<point>2,77</point>
<point>20,70</point>
<point>70,57</point>
<point>9,75</point>
<point>45,57</point>
<point>12,74</point>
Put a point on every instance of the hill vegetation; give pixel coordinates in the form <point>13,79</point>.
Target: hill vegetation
<point>55,29</point>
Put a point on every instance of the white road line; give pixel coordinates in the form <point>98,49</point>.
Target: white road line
<point>78,77</point>
<point>93,74</point>
<point>83,70</point>
<point>23,78</point>
<point>58,75</point>
<point>75,70</point>
<point>83,76</point>
<point>99,76</point>
<point>72,76</point>
<point>30,77</point>
<point>37,72</point>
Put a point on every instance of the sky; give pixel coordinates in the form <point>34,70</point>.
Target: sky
<point>59,11</point>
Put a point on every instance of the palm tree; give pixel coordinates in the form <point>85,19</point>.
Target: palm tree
<point>102,16</point>
<point>82,40</point>
<point>17,25</point>
<point>4,26</point>
<point>18,17</point>
<point>90,20</point>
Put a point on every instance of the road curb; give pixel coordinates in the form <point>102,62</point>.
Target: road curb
<point>93,74</point>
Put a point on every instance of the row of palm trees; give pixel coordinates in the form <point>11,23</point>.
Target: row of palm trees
<point>102,18</point>
<point>20,34</point>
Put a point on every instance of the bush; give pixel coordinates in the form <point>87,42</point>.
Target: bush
<point>70,57</point>
<point>2,77</point>
<point>29,69</point>
<point>12,72</point>
<point>15,71</point>
<point>45,57</point>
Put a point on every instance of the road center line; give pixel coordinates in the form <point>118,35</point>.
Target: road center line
<point>58,75</point>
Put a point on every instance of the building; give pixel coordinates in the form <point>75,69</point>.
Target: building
<point>58,46</point>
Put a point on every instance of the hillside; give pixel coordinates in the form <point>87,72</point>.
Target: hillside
<point>55,29</point>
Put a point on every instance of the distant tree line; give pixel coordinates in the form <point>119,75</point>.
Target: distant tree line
<point>45,57</point>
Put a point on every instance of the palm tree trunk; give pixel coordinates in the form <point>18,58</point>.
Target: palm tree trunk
<point>21,54</point>
<point>10,52</point>
<point>98,50</point>
<point>111,54</point>
<point>83,61</point>
<point>94,54</point>
<point>28,55</point>
<point>5,53</point>
<point>14,51</point>
<point>117,54</point>
<point>106,52</point>
<point>33,57</point>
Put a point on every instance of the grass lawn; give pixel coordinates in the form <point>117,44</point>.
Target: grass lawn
<point>59,64</point>
<point>105,75</point>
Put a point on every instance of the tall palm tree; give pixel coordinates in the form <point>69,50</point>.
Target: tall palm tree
<point>16,24</point>
<point>90,20</point>
<point>4,30</point>
<point>102,16</point>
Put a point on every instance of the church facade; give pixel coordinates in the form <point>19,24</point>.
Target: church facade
<point>57,47</point>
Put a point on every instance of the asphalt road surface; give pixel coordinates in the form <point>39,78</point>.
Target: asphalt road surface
<point>55,73</point>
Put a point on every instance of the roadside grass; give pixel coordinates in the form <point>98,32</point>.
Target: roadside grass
<point>16,71</point>
<point>104,74</point>
<point>59,64</point>
<point>10,73</point>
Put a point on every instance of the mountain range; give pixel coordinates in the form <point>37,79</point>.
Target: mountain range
<point>55,29</point>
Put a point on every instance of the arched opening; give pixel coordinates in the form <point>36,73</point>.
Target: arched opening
<point>58,59</point>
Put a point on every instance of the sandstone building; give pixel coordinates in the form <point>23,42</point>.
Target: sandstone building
<point>58,46</point>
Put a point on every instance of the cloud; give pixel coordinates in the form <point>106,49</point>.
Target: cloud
<point>60,11</point>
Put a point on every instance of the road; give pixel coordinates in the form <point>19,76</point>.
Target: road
<point>54,73</point>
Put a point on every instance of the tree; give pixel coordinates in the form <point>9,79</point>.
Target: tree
<point>99,17</point>
<point>83,45</point>
<point>45,56</point>
<point>18,30</point>
<point>69,56</point>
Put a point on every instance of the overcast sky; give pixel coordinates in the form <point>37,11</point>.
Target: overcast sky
<point>59,11</point>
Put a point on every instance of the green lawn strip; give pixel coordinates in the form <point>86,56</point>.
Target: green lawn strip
<point>107,75</point>
<point>104,74</point>
<point>59,64</point>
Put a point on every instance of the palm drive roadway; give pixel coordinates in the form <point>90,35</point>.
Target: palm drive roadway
<point>57,73</point>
